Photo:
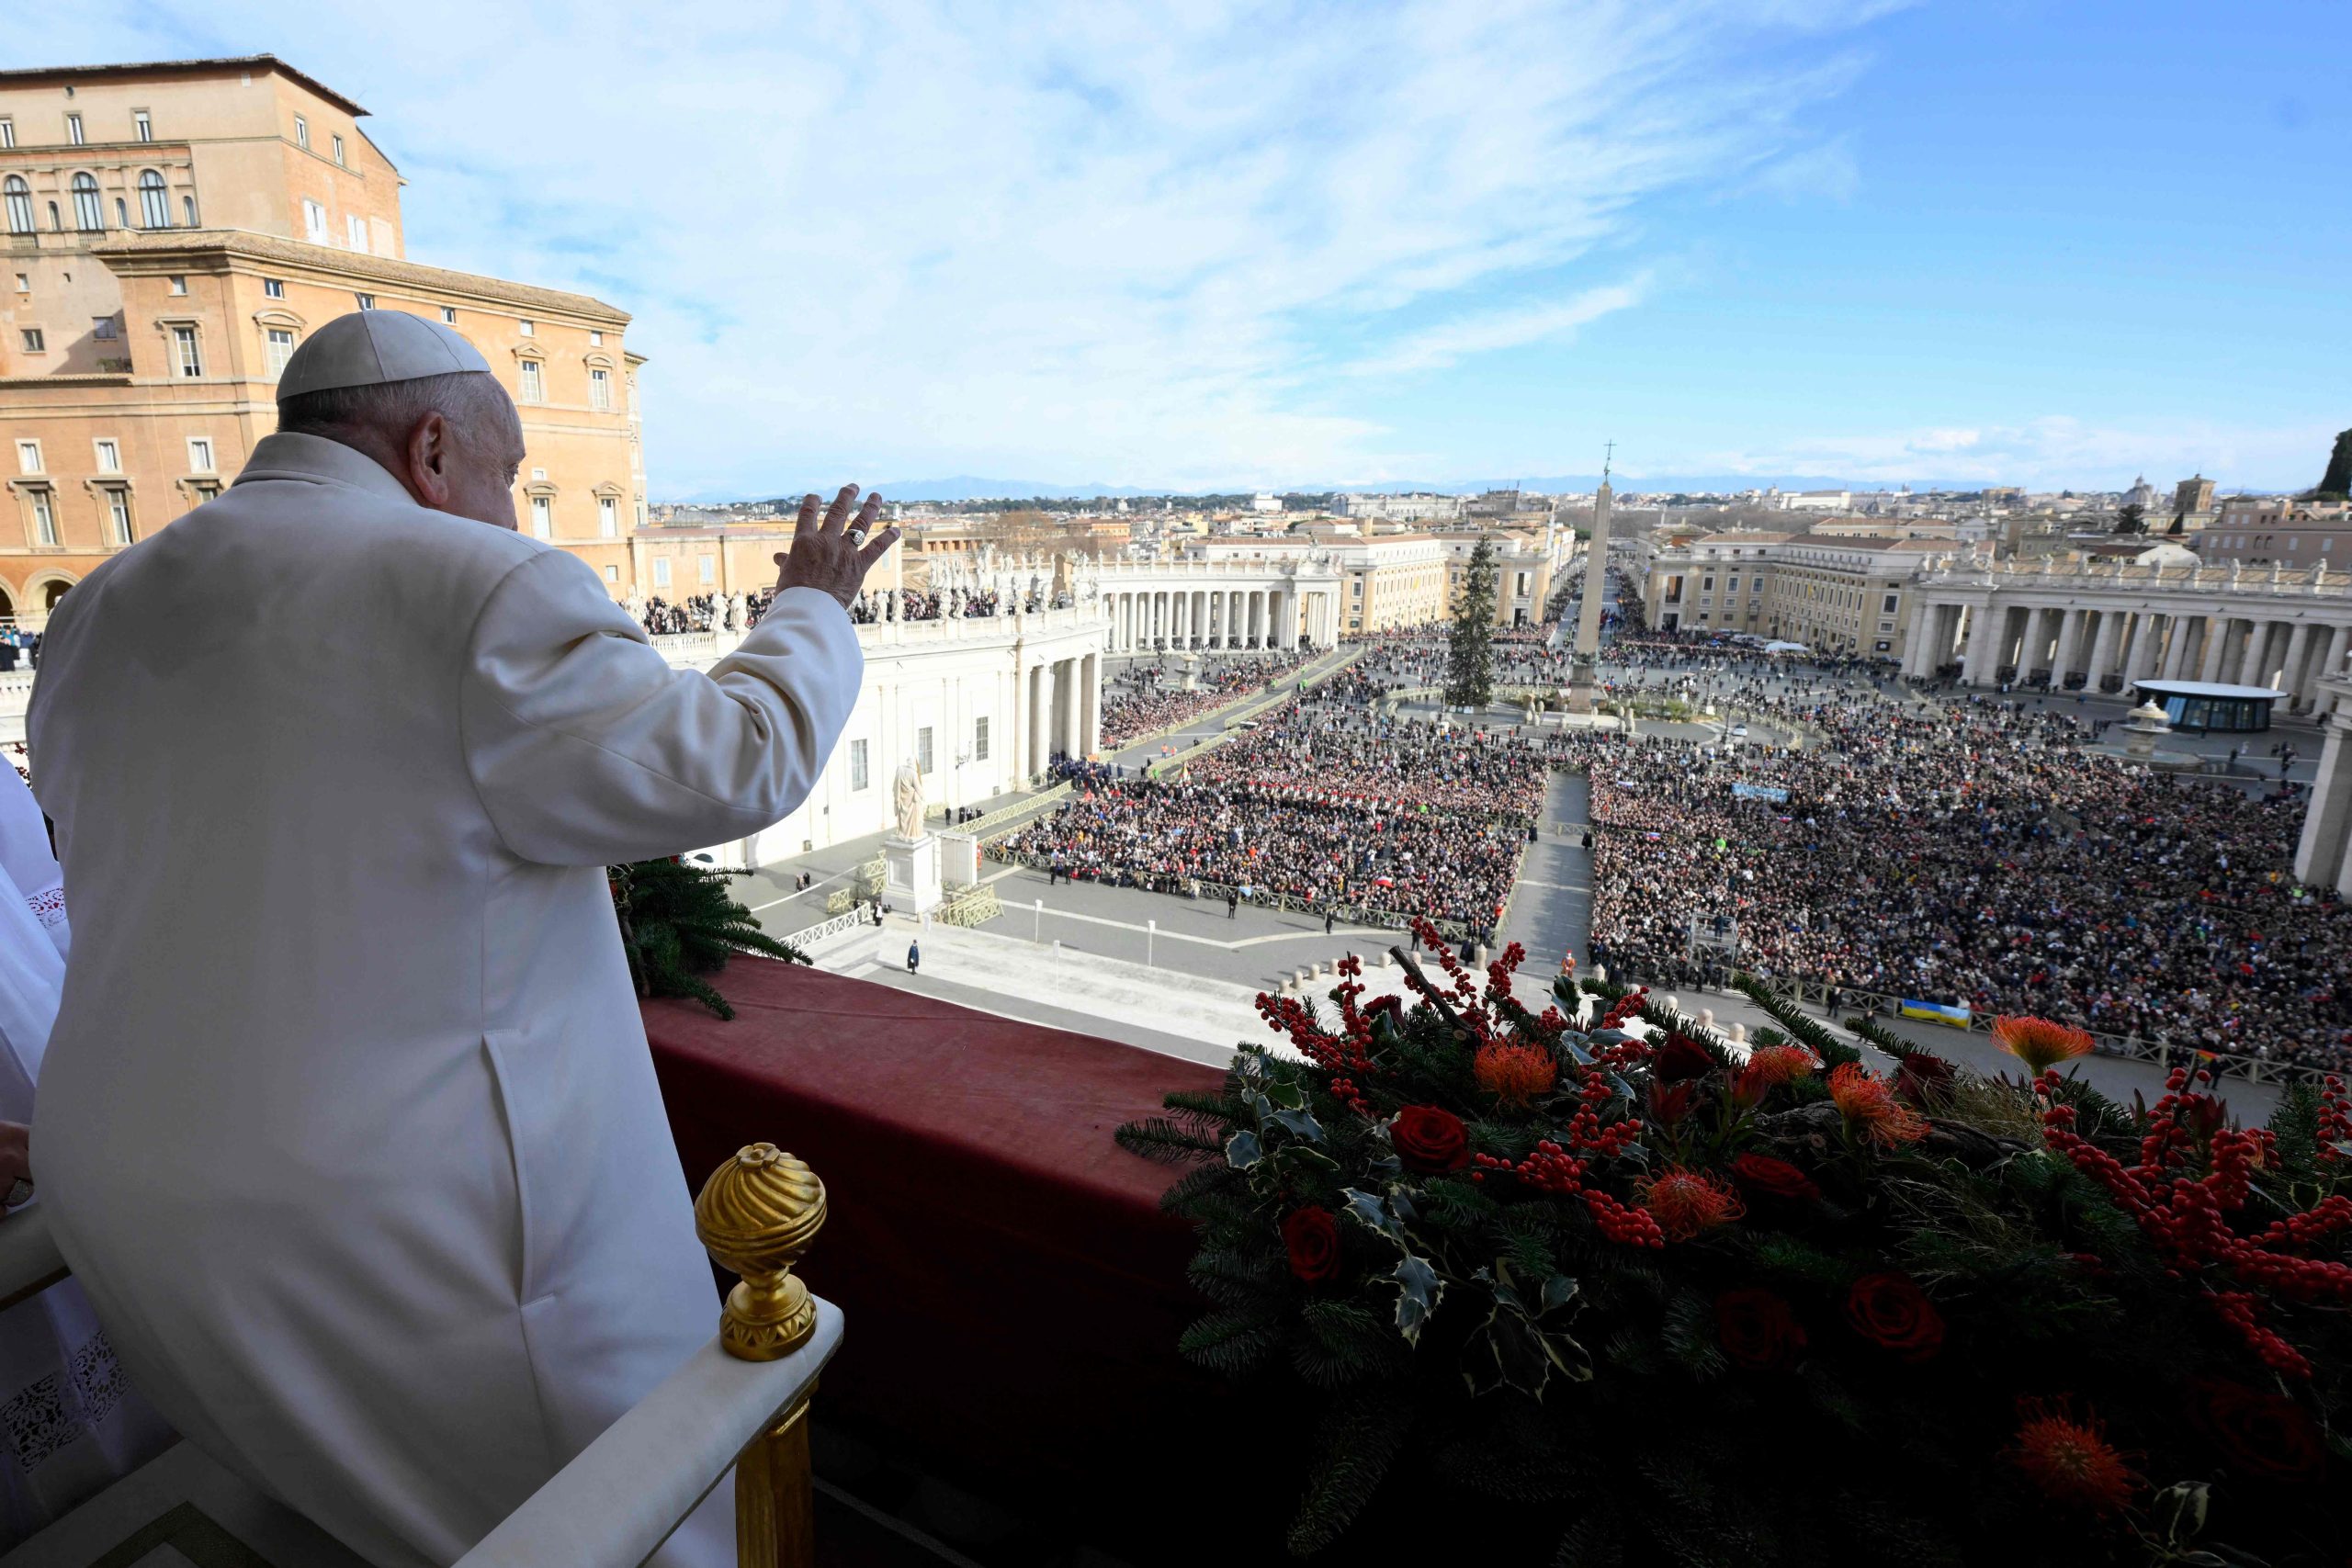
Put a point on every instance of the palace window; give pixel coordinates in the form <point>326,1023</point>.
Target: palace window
<point>199,454</point>
<point>20,203</point>
<point>338,150</point>
<point>29,457</point>
<point>980,740</point>
<point>600,391</point>
<point>534,390</point>
<point>662,571</point>
<point>354,231</point>
<point>608,519</point>
<point>179,283</point>
<point>184,346</point>
<point>34,341</point>
<point>922,749</point>
<point>7,133</point>
<point>612,573</point>
<point>527,329</point>
<point>142,128</point>
<point>366,301</point>
<point>154,201</point>
<point>44,517</point>
<point>857,774</point>
<point>314,222</point>
<point>543,526</point>
<point>74,130</point>
<point>119,529</point>
<point>187,210</point>
<point>301,133</point>
<point>273,288</point>
<point>450,315</point>
<point>280,348</point>
<point>88,216</point>
<point>595,340</point>
<point>706,567</point>
<point>109,456</point>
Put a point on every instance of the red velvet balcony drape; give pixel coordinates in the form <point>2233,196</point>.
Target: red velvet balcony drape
<point>1013,1290</point>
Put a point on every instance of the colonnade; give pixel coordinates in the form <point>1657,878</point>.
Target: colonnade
<point>1061,710</point>
<point>1206,618</point>
<point>2105,644</point>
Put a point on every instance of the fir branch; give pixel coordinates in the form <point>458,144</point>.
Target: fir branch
<point>1358,1442</point>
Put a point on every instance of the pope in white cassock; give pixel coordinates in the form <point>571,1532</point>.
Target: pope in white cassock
<point>347,1124</point>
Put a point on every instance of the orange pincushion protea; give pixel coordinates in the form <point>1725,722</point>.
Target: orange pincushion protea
<point>1778,1063</point>
<point>2070,1461</point>
<point>1515,1073</point>
<point>2039,1042</point>
<point>1869,1105</point>
<point>1685,1203</point>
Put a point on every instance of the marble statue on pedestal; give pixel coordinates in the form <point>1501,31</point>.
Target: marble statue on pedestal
<point>907,795</point>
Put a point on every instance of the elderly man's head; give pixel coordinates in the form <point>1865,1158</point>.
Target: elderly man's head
<point>455,440</point>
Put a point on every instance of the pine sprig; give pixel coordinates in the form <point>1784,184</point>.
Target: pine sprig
<point>678,924</point>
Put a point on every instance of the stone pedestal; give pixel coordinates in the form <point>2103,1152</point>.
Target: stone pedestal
<point>912,884</point>
<point>1583,685</point>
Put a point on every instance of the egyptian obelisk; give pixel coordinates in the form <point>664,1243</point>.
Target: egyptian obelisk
<point>1586,655</point>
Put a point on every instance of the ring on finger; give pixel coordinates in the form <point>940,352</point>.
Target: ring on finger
<point>857,535</point>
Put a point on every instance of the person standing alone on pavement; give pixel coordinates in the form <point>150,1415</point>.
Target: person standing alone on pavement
<point>914,956</point>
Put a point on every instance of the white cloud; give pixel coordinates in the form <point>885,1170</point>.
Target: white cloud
<point>1076,240</point>
<point>1455,340</point>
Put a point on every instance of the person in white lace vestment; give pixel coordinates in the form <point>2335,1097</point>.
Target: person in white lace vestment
<point>69,1424</point>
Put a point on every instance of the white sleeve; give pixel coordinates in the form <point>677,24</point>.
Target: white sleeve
<point>588,749</point>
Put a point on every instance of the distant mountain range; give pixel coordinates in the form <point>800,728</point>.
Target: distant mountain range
<point>972,487</point>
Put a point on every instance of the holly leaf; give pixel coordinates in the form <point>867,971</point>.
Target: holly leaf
<point>1243,1150</point>
<point>1303,1157</point>
<point>1557,1289</point>
<point>1419,1291</point>
<point>1370,1211</point>
<point>1300,1124</point>
<point>1286,1095</point>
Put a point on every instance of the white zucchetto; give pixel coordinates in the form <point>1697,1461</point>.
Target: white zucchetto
<point>368,348</point>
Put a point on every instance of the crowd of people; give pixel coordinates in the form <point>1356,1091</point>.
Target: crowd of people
<point>1148,697</point>
<point>1219,840</point>
<point>1975,854</point>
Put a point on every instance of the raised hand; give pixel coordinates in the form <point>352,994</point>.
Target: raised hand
<point>833,557</point>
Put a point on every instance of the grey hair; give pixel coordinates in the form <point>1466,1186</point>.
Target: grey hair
<point>391,408</point>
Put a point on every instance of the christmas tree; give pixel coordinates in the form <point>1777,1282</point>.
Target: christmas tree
<point>1470,660</point>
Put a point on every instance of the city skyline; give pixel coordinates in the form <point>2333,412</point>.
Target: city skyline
<point>1868,243</point>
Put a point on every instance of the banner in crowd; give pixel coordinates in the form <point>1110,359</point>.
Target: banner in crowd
<point>1934,1012</point>
<point>1772,792</point>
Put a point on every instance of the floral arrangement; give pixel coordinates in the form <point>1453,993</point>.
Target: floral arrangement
<point>1630,1296</point>
<point>678,924</point>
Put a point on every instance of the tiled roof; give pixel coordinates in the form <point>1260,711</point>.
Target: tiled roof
<point>181,67</point>
<point>382,270</point>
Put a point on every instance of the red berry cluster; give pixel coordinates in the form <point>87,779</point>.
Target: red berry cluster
<point>2195,1171</point>
<point>2335,1121</point>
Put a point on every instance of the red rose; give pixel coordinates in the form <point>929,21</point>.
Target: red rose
<point>1681,1058</point>
<point>1312,1237</point>
<point>1773,1178</point>
<point>1427,1138</point>
<point>1757,1330</point>
<point>2261,1434</point>
<point>1893,1313</point>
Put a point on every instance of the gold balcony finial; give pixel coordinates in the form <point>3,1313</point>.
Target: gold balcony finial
<point>758,1214</point>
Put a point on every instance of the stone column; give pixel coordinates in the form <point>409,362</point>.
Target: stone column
<point>2217,637</point>
<point>1091,705</point>
<point>2252,657</point>
<point>1983,636</point>
<point>2070,638</point>
<point>2298,647</point>
<point>1289,602</point>
<point>2184,634</point>
<point>2321,851</point>
<point>2331,667</point>
<point>2102,660</point>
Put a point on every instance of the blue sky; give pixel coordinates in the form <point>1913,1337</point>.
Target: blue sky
<point>1225,244</point>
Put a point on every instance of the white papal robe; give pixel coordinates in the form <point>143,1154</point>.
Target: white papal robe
<point>348,1125</point>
